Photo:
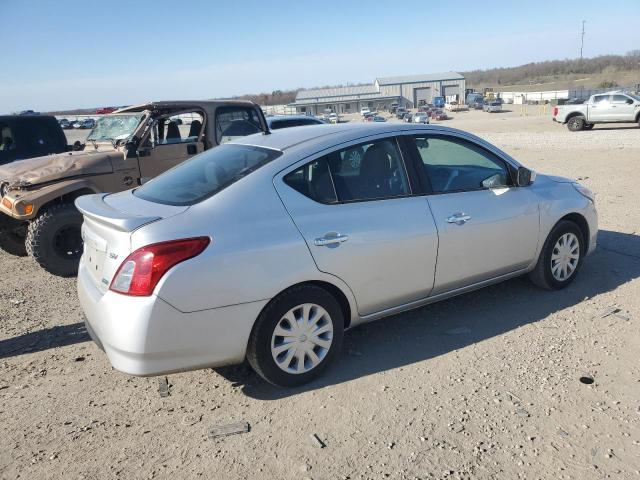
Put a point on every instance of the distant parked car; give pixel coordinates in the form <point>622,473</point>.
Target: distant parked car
<point>421,117</point>
<point>401,112</point>
<point>334,118</point>
<point>368,117</point>
<point>494,106</point>
<point>439,115</point>
<point>610,107</point>
<point>106,110</point>
<point>28,112</point>
<point>202,266</point>
<point>364,111</point>
<point>408,117</point>
<point>64,123</point>
<point>286,121</point>
<point>85,124</point>
<point>438,102</point>
<point>378,118</point>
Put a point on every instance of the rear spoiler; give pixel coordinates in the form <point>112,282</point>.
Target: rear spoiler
<point>94,207</point>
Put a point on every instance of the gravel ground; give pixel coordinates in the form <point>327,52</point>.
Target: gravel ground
<point>483,386</point>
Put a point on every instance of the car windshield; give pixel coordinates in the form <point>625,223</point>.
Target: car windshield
<point>115,127</point>
<point>206,174</point>
<point>635,97</point>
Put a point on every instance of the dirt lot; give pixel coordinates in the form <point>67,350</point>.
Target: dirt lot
<point>484,386</point>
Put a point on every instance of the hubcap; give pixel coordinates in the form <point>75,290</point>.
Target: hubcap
<point>302,338</point>
<point>565,256</point>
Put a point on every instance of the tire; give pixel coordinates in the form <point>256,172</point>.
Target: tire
<point>263,340</point>
<point>577,123</point>
<point>54,240</point>
<point>543,275</point>
<point>13,242</point>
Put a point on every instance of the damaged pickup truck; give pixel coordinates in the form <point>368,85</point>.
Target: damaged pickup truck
<point>125,149</point>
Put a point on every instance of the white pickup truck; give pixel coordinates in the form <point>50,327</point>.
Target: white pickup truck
<point>611,107</point>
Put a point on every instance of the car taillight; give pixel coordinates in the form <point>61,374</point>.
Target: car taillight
<point>142,270</point>
<point>555,111</point>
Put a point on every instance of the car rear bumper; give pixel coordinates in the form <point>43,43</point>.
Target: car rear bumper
<point>148,336</point>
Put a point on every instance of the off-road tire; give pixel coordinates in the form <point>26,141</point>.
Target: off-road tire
<point>541,275</point>
<point>13,243</point>
<point>577,123</point>
<point>259,348</point>
<point>45,233</point>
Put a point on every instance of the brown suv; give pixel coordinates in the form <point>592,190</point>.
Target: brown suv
<point>126,148</point>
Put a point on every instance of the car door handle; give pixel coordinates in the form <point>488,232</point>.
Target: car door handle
<point>459,218</point>
<point>333,240</point>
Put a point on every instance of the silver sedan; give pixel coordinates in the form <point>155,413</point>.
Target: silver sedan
<point>268,248</point>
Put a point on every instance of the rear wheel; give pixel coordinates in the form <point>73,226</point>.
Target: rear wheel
<point>54,239</point>
<point>560,258</point>
<point>575,124</point>
<point>296,336</point>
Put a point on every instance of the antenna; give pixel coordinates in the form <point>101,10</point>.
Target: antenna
<point>582,39</point>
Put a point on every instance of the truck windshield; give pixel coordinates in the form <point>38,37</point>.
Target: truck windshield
<point>206,174</point>
<point>635,97</point>
<point>115,127</point>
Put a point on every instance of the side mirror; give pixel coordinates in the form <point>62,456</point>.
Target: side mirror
<point>629,101</point>
<point>525,177</point>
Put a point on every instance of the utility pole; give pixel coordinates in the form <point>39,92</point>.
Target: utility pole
<point>582,39</point>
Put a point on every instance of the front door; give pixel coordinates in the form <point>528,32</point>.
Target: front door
<point>487,226</point>
<point>624,108</point>
<point>171,141</point>
<point>355,211</point>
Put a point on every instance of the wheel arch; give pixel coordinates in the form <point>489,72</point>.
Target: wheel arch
<point>66,194</point>
<point>335,291</point>
<point>573,115</point>
<point>582,224</point>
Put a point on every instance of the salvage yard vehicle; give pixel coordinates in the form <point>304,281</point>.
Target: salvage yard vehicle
<point>27,136</point>
<point>269,247</point>
<point>85,124</point>
<point>421,117</point>
<point>286,121</point>
<point>493,106</point>
<point>611,107</point>
<point>125,149</point>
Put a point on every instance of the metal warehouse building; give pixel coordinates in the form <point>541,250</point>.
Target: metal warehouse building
<point>408,91</point>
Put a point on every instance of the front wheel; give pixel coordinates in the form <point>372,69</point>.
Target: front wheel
<point>54,239</point>
<point>296,336</point>
<point>560,258</point>
<point>575,124</point>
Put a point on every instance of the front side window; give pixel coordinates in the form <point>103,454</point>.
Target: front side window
<point>235,122</point>
<point>454,165</point>
<point>620,99</point>
<point>206,174</point>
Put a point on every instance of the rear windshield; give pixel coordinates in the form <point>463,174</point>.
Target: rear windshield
<point>206,174</point>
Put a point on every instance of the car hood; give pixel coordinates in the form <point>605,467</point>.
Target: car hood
<point>558,179</point>
<point>51,168</point>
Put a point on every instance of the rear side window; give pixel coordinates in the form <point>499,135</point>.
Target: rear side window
<point>314,181</point>
<point>7,138</point>
<point>235,122</point>
<point>206,174</point>
<point>370,171</point>
<point>601,99</point>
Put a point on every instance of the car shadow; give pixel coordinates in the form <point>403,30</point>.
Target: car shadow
<point>626,127</point>
<point>459,322</point>
<point>59,336</point>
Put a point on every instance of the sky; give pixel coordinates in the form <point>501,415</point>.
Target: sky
<point>80,54</point>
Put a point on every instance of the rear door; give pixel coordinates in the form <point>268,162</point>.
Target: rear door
<point>356,212</point>
<point>600,110</point>
<point>487,226</point>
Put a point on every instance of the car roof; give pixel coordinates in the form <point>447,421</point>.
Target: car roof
<point>182,104</point>
<point>328,135</point>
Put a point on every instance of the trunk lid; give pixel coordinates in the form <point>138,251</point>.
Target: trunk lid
<point>109,221</point>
